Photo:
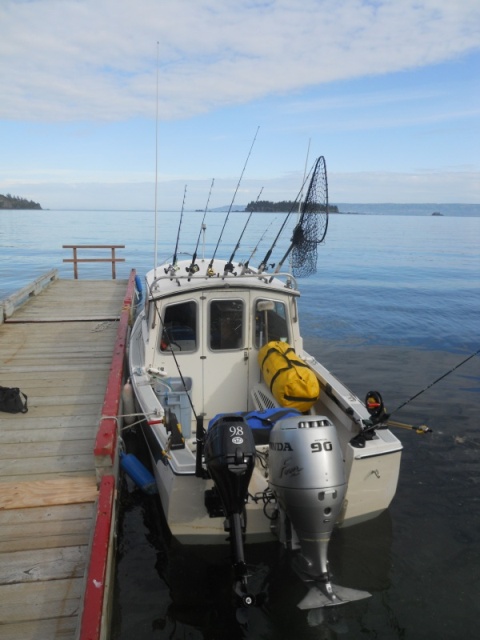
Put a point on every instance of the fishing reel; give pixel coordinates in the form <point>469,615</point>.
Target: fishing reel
<point>375,407</point>
<point>193,268</point>
<point>378,416</point>
<point>229,268</point>
<point>171,269</point>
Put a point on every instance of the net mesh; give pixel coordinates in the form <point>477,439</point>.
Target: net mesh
<point>312,226</point>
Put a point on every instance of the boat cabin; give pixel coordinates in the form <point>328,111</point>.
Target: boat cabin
<point>212,334</point>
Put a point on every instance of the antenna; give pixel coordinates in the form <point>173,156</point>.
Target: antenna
<point>304,179</point>
<point>156,171</point>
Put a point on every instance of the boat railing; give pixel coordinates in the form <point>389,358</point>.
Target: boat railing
<point>113,259</point>
<point>290,280</point>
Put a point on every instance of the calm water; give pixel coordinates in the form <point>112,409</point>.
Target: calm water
<point>395,305</point>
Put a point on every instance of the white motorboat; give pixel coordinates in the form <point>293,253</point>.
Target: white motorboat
<point>251,438</point>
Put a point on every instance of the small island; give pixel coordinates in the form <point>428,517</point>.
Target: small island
<point>15,202</point>
<point>285,205</point>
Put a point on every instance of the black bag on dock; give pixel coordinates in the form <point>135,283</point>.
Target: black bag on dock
<point>12,400</point>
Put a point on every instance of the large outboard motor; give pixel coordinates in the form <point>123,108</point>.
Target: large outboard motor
<point>306,473</point>
<point>229,451</point>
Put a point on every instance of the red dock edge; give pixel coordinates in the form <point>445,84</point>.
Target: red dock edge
<point>105,452</point>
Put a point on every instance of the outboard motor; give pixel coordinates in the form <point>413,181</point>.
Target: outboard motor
<point>306,474</point>
<point>229,451</point>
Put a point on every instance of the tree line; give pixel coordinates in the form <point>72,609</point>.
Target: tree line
<point>15,202</point>
<point>284,205</point>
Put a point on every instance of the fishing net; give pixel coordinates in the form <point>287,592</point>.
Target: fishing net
<point>312,226</point>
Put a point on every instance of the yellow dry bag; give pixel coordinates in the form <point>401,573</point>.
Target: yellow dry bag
<point>291,381</point>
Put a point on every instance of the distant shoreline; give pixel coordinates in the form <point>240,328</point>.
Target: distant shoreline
<point>446,210</point>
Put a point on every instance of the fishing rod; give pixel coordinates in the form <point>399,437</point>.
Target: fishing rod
<point>246,263</point>
<point>297,238</point>
<point>229,266</point>
<point>435,382</point>
<point>422,428</point>
<point>173,267</point>
<point>263,265</point>
<point>378,412</point>
<point>210,271</point>
<point>193,268</point>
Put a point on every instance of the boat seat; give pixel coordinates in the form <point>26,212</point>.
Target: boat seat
<point>262,397</point>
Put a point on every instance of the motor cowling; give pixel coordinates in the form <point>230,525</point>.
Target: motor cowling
<point>229,451</point>
<point>306,473</point>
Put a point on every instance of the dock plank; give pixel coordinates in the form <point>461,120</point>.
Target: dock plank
<point>20,466</point>
<point>52,564</point>
<point>55,411</point>
<point>55,629</point>
<point>49,491</point>
<point>38,423</point>
<point>54,526</point>
<point>47,449</point>
<point>62,432</point>
<point>29,601</point>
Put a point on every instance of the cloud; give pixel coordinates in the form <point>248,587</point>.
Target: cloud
<point>96,59</point>
<point>447,186</point>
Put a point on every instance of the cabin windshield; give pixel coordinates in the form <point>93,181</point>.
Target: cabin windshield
<point>270,322</point>
<point>179,327</point>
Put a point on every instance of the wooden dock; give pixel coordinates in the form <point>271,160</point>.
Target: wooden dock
<point>64,347</point>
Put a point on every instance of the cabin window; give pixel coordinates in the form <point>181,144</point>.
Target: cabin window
<point>226,324</point>
<point>179,327</point>
<point>270,322</point>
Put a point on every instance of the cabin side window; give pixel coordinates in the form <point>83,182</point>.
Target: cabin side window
<point>226,324</point>
<point>270,322</point>
<point>179,330</point>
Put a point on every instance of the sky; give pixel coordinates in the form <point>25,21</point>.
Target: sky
<point>105,103</point>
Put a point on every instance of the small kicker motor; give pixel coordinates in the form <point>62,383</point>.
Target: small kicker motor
<point>229,450</point>
<point>307,476</point>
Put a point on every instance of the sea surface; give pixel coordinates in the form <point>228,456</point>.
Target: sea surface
<point>394,306</point>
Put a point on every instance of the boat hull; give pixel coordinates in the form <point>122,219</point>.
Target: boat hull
<point>371,470</point>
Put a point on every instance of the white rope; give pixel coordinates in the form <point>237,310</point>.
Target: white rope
<point>128,415</point>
